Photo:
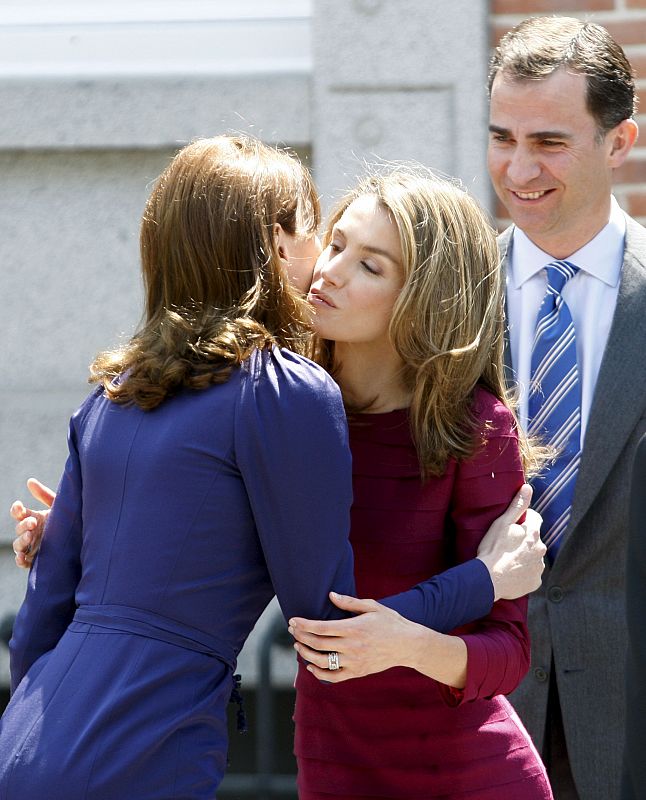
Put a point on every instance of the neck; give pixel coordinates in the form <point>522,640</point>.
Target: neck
<point>371,377</point>
<point>561,246</point>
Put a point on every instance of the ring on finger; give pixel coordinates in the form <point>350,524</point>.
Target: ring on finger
<point>333,661</point>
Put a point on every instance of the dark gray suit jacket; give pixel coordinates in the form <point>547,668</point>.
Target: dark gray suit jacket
<point>634,783</point>
<point>577,617</point>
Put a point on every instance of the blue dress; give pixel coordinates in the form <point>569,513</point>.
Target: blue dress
<point>171,531</point>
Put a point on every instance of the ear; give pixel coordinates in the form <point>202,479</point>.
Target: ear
<point>621,139</point>
<point>282,242</point>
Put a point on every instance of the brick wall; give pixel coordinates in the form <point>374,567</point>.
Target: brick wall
<point>626,21</point>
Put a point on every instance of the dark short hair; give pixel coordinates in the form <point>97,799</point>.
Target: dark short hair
<point>539,46</point>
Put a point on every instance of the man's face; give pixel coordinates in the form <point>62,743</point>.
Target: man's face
<point>547,164</point>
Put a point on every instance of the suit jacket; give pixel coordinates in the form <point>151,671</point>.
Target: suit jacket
<point>577,617</point>
<point>634,779</point>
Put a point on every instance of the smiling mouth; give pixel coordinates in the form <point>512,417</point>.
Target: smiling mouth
<point>530,195</point>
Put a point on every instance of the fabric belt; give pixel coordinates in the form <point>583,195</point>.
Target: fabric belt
<point>138,621</point>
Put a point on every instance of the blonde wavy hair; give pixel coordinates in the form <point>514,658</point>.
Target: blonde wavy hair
<point>213,282</point>
<point>448,321</point>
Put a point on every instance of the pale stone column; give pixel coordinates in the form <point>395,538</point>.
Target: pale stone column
<point>400,80</point>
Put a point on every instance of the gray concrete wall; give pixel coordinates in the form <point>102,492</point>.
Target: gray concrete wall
<point>400,80</point>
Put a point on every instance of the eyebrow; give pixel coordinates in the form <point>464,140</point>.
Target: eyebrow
<point>535,134</point>
<point>378,251</point>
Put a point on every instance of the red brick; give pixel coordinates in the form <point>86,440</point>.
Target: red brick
<point>638,61</point>
<point>528,7</point>
<point>633,171</point>
<point>628,31</point>
<point>635,3</point>
<point>636,204</point>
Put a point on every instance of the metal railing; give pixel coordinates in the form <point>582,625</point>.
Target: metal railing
<point>265,783</point>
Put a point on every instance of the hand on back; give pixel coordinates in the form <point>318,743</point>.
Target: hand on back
<point>30,523</point>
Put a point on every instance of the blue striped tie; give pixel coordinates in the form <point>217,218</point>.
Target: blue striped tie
<point>554,411</point>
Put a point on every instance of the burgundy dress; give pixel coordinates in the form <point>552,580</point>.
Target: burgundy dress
<point>399,734</point>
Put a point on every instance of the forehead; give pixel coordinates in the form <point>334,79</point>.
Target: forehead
<point>368,219</point>
<point>557,102</point>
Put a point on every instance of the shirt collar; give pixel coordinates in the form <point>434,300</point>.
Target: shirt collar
<point>601,257</point>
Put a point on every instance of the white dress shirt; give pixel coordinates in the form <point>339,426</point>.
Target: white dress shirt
<point>591,296</point>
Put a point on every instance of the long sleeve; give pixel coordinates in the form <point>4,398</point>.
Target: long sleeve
<point>497,645</point>
<point>49,603</point>
<point>446,601</point>
<point>291,446</point>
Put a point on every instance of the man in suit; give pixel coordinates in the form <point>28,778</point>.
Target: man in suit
<point>634,778</point>
<point>562,98</point>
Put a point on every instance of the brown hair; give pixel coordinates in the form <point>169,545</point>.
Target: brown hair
<point>448,321</point>
<point>539,46</point>
<point>213,283</point>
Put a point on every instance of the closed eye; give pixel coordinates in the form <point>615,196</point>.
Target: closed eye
<point>369,269</point>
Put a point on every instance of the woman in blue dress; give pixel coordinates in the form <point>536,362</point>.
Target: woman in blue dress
<point>208,470</point>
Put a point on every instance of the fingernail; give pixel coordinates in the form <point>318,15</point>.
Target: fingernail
<point>290,630</point>
<point>335,595</point>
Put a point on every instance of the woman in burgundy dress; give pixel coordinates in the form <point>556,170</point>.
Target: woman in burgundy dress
<point>408,302</point>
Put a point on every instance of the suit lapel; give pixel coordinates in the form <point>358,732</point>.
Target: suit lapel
<point>621,384</point>
<point>504,245</point>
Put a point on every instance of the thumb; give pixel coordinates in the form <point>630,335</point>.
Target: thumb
<point>518,505</point>
<point>41,492</point>
<point>353,604</point>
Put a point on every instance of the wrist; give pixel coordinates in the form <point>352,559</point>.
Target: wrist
<point>494,575</point>
<point>419,644</point>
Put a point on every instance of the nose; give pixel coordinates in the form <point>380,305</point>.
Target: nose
<point>523,166</point>
<point>332,267</point>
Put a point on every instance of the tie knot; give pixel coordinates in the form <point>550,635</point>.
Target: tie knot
<point>559,273</point>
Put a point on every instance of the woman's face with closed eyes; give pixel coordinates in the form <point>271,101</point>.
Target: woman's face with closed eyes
<point>358,276</point>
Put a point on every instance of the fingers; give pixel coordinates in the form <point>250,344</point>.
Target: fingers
<point>353,604</point>
<point>325,675</point>
<point>40,492</point>
<point>18,511</point>
<point>318,643</point>
<point>320,627</point>
<point>532,523</point>
<point>313,656</point>
<point>319,665</point>
<point>22,546</point>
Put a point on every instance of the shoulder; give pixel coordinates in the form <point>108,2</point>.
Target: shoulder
<point>90,402</point>
<point>289,377</point>
<point>281,366</point>
<point>635,239</point>
<point>493,416</point>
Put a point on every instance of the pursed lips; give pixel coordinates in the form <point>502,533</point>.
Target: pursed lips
<point>319,298</point>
